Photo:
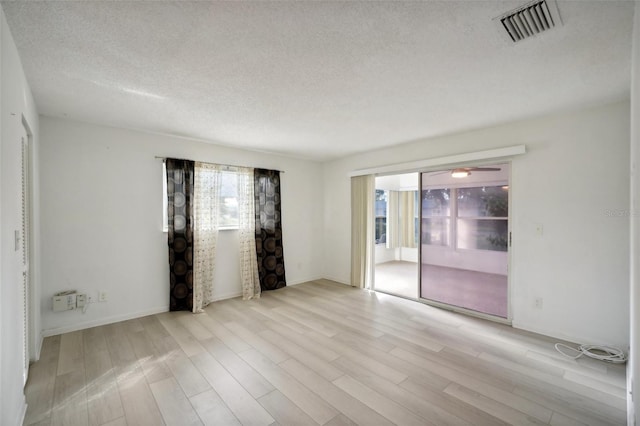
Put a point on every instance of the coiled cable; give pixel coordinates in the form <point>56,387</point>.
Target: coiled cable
<point>602,353</point>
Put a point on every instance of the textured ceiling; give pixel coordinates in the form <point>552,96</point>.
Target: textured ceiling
<point>314,79</point>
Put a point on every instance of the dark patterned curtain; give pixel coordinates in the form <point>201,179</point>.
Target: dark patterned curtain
<point>269,229</point>
<point>180,221</point>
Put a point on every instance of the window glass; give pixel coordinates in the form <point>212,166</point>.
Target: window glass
<point>435,202</point>
<point>436,209</point>
<point>435,231</point>
<point>484,201</point>
<point>228,218</point>
<point>482,234</point>
<point>228,200</point>
<point>475,230</point>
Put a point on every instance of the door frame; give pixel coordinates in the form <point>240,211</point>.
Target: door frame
<point>28,241</point>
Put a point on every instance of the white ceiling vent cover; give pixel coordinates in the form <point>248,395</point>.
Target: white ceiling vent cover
<point>528,20</point>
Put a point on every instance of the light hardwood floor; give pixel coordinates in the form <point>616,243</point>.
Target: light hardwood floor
<point>317,353</point>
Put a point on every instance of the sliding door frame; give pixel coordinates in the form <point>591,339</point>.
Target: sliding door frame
<point>477,158</point>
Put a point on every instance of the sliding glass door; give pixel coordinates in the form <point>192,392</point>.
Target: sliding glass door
<point>465,238</point>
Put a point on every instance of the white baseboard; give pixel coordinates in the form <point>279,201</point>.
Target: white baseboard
<point>558,335</point>
<point>306,280</point>
<point>338,280</point>
<point>103,321</point>
<point>226,296</point>
<point>39,347</point>
<point>22,414</point>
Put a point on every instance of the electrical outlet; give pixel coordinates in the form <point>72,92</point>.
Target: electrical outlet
<point>102,297</point>
<point>538,303</point>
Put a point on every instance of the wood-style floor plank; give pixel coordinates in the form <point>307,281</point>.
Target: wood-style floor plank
<point>233,341</point>
<point>284,410</point>
<point>431,413</point>
<point>149,358</point>
<point>374,400</point>
<point>121,421</point>
<point>309,359</point>
<point>191,380</point>
<point>103,397</point>
<point>212,410</point>
<point>182,336</point>
<point>240,402</point>
<point>318,353</point>
<point>271,351</point>
<point>71,352</point>
<point>250,379</point>
<point>173,404</point>
<point>445,402</point>
<point>40,387</point>
<point>70,400</point>
<point>491,406</point>
<point>140,407</point>
<point>308,401</point>
<point>351,407</point>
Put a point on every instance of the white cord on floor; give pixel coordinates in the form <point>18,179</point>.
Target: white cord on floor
<point>602,353</point>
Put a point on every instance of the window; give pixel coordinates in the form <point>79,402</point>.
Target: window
<point>467,218</point>
<point>482,221</point>
<point>381,216</point>
<point>228,200</point>
<point>436,212</point>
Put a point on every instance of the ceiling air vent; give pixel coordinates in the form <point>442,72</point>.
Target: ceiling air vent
<point>528,20</point>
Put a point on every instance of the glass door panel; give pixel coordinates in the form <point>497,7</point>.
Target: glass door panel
<point>397,224</point>
<point>464,239</point>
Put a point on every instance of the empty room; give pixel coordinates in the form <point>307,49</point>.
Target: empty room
<point>319,213</point>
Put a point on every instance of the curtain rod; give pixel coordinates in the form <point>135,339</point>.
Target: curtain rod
<point>217,164</point>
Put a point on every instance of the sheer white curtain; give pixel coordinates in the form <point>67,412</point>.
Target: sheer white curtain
<point>407,219</point>
<point>247,235</point>
<point>205,231</point>
<point>362,191</point>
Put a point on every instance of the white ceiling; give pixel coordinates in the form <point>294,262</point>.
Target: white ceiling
<point>316,80</point>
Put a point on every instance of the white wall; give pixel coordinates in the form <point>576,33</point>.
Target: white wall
<point>16,104</point>
<point>633,406</point>
<point>102,219</point>
<point>574,174</point>
<point>384,254</point>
